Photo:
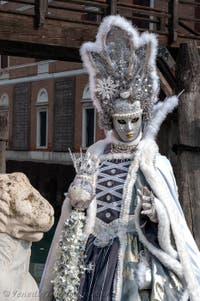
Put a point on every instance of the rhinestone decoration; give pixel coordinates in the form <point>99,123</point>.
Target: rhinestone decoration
<point>109,183</point>
<point>122,148</point>
<point>122,71</point>
<point>113,171</point>
<point>70,265</point>
<point>122,107</point>
<point>108,197</point>
<point>84,164</point>
<point>106,88</point>
<point>108,214</point>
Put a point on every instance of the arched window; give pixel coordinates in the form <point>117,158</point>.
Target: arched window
<point>42,119</point>
<point>42,97</point>
<point>88,119</point>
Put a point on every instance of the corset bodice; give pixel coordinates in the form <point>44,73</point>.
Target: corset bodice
<point>109,189</point>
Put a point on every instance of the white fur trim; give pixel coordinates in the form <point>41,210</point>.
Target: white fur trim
<point>185,296</point>
<point>164,231</point>
<point>150,38</point>
<point>91,215</point>
<point>160,190</point>
<point>97,148</point>
<point>163,257</point>
<point>84,51</point>
<point>118,21</point>
<point>97,46</point>
<point>135,37</point>
<point>161,110</point>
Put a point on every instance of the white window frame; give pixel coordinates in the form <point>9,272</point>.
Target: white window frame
<point>4,102</point>
<point>41,106</point>
<point>86,102</point>
<point>39,110</point>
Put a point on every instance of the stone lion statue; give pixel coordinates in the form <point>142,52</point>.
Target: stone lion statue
<point>24,216</point>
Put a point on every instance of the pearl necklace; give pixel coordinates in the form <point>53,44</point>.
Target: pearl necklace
<point>122,148</point>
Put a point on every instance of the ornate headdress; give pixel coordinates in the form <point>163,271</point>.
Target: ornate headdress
<point>122,68</point>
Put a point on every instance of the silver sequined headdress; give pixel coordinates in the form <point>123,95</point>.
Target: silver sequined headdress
<point>122,68</point>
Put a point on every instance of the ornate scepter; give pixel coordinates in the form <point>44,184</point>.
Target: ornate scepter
<point>70,265</point>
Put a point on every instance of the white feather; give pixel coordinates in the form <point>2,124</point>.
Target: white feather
<point>160,111</point>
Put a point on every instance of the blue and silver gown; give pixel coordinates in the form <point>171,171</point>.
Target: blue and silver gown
<point>103,246</point>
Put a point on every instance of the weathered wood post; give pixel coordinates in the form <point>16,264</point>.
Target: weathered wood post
<point>188,77</point>
<point>113,7</point>
<point>3,141</point>
<point>41,9</point>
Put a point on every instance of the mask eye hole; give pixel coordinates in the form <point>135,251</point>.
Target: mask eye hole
<point>121,121</point>
<point>134,120</point>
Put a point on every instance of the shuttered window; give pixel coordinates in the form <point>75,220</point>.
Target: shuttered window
<point>21,117</point>
<point>63,114</point>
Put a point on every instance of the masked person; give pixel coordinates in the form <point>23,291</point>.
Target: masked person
<point>138,242</point>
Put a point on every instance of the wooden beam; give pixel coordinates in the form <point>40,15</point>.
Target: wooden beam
<point>165,85</point>
<point>56,39</point>
<point>43,51</point>
<point>173,9</point>
<point>169,74</point>
<point>165,55</point>
<point>191,3</point>
<point>166,65</point>
<point>113,7</point>
<point>21,28</point>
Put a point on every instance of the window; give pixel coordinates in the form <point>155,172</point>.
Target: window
<point>21,124</point>
<point>4,115</point>
<point>42,127</point>
<point>63,120</point>
<point>88,126</point>
<point>91,14</point>
<point>42,119</point>
<point>88,119</point>
<point>3,61</point>
<point>4,102</point>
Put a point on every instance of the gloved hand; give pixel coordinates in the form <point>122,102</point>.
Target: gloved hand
<point>81,192</point>
<point>147,198</point>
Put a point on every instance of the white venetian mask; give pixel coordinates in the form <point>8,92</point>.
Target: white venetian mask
<point>127,121</point>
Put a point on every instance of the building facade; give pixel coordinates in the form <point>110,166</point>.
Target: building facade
<point>49,110</point>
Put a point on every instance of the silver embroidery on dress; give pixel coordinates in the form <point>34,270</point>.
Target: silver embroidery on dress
<point>109,190</point>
